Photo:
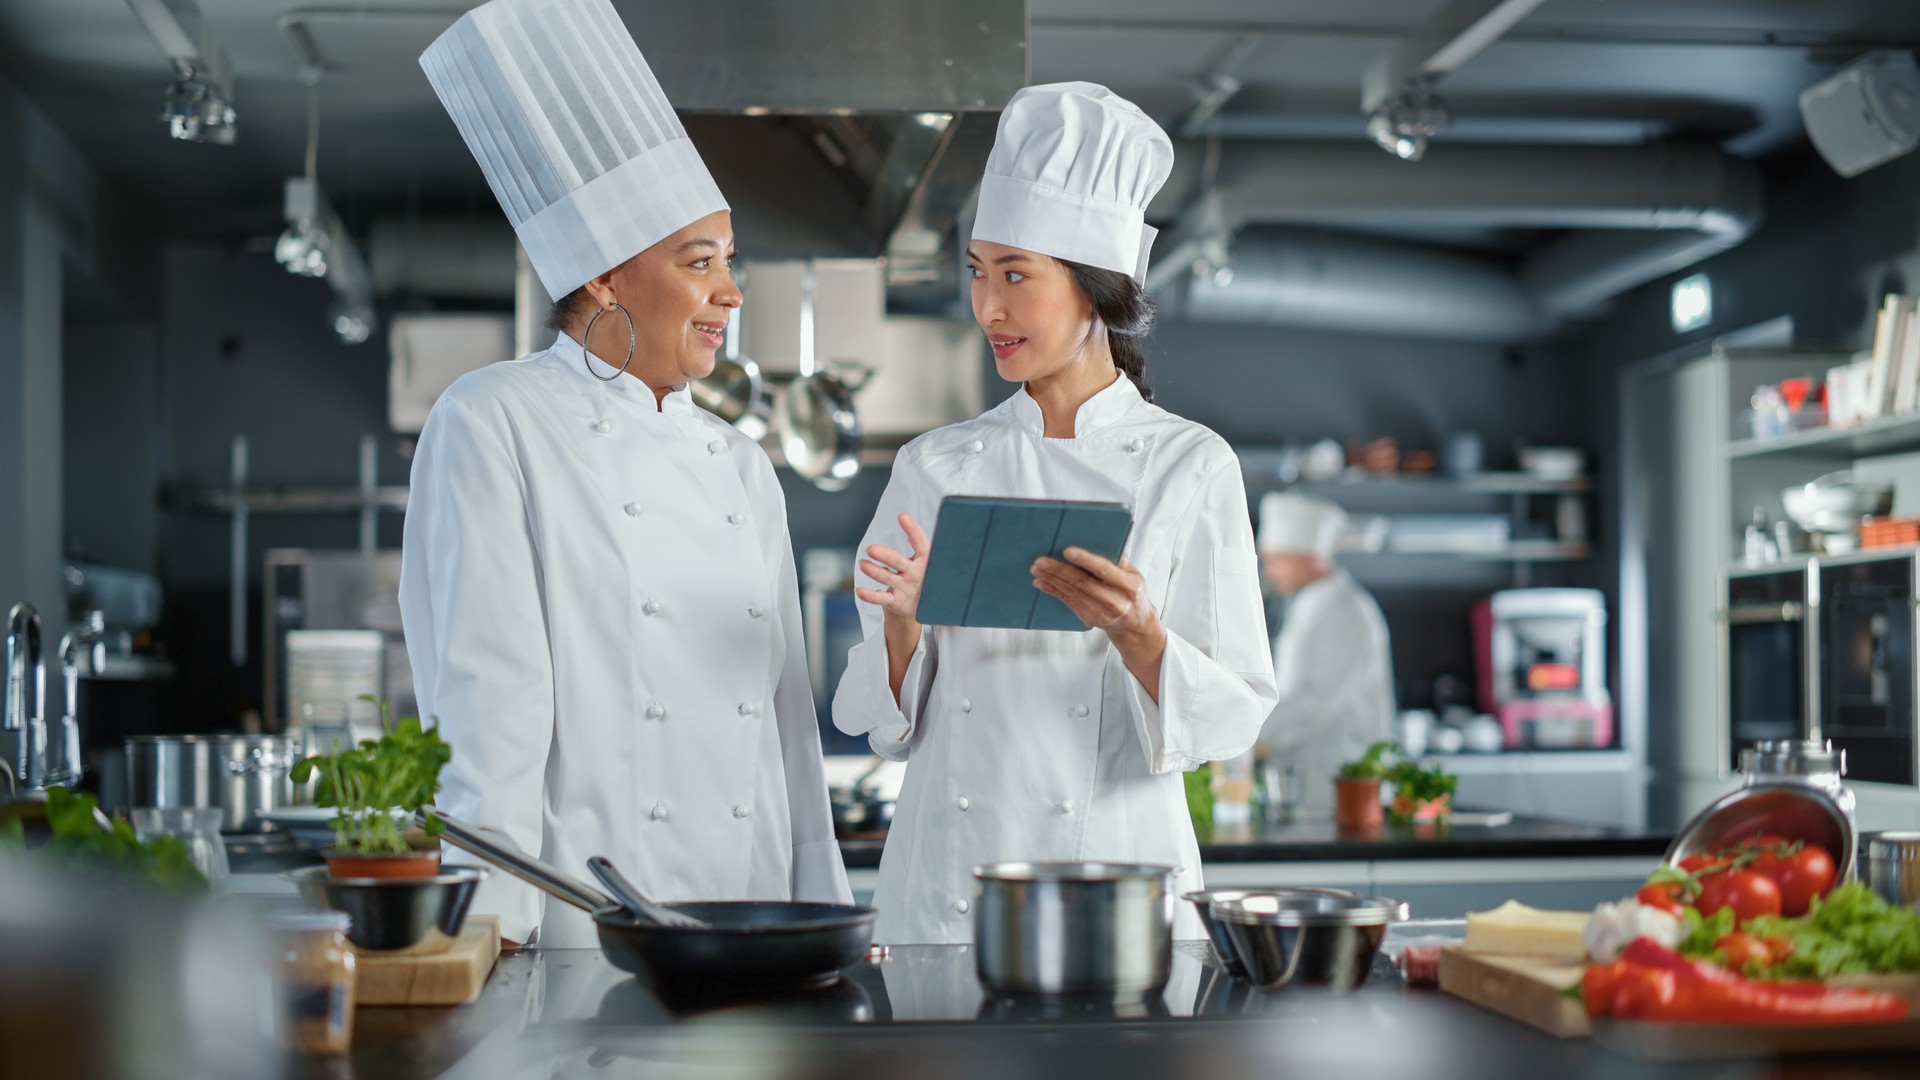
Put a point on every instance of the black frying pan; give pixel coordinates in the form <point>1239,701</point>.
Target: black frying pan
<point>747,945</point>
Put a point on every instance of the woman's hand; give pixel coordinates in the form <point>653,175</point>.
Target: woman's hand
<point>900,598</point>
<point>1112,597</point>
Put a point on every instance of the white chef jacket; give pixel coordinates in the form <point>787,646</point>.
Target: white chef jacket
<point>1335,675</point>
<point>603,617</point>
<point>1030,744</point>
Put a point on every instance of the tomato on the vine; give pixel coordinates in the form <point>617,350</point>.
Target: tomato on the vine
<point>1747,893</point>
<point>1805,874</point>
<point>1664,895</point>
<point>1741,948</point>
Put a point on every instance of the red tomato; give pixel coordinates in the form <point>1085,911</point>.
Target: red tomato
<point>1741,948</point>
<point>1805,874</point>
<point>1747,893</point>
<point>1780,947</point>
<point>1662,895</point>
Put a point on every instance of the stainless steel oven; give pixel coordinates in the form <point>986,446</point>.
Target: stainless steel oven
<point>1768,626</point>
<point>1865,608</point>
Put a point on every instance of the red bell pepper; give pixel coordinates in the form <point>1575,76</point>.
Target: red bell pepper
<point>1658,984</point>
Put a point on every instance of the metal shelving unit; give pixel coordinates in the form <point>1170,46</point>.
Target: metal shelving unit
<point>1888,435</point>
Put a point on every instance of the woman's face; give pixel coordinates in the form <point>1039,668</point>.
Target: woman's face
<point>679,292</point>
<point>1035,319</point>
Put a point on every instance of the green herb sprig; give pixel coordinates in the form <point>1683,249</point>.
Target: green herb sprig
<point>368,782</point>
<point>115,851</point>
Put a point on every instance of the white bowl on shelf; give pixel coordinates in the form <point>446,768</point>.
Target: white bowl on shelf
<point>1836,502</point>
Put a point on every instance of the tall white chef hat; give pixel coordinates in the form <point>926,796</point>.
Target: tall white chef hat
<point>576,137</point>
<point>1296,524</point>
<point>1072,169</point>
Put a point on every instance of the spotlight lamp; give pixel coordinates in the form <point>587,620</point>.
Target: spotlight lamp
<point>196,108</point>
<point>303,249</point>
<point>1402,125</point>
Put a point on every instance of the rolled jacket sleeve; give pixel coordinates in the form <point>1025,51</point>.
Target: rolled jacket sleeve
<point>475,623</point>
<point>1216,677</point>
<point>863,703</point>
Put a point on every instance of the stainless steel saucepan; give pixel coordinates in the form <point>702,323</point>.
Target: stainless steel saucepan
<point>1073,928</point>
<point>734,391</point>
<point>241,775</point>
<point>815,420</point>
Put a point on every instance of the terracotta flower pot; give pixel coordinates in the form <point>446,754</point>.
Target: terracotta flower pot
<point>1356,804</point>
<point>412,864</point>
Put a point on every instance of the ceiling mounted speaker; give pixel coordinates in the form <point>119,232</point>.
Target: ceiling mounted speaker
<point>1867,114</point>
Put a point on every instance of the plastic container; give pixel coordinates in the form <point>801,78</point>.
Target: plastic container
<point>313,983</point>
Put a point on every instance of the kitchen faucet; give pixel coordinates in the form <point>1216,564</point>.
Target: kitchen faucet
<point>23,708</point>
<point>82,651</point>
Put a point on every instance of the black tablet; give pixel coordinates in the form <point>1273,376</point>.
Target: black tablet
<point>979,573</point>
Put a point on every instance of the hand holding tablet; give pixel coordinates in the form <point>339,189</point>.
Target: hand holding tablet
<point>981,574</point>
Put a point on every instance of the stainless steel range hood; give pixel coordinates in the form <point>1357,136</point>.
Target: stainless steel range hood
<point>835,127</point>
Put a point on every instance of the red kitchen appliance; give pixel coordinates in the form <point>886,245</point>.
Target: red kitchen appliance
<point>1541,656</point>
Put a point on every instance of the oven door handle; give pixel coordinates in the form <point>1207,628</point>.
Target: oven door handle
<point>1790,611</point>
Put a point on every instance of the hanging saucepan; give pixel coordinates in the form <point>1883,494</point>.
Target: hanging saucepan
<point>747,945</point>
<point>733,391</point>
<point>815,420</point>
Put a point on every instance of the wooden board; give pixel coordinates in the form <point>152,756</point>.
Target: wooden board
<point>448,972</point>
<point>1530,990</point>
<point>1526,988</point>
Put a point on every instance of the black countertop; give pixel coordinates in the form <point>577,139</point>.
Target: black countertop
<point>1320,841</point>
<point>920,1013</point>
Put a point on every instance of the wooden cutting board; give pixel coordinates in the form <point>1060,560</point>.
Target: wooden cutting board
<point>1526,988</point>
<point>444,972</point>
<point>1531,990</point>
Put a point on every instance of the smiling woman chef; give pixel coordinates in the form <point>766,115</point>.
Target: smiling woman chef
<point>597,584</point>
<point>1039,744</point>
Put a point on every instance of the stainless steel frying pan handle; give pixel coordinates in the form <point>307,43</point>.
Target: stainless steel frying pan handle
<point>505,854</point>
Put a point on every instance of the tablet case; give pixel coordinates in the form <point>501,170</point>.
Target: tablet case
<point>979,572</point>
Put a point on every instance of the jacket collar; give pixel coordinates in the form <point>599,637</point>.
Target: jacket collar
<point>567,352</point>
<point>1104,408</point>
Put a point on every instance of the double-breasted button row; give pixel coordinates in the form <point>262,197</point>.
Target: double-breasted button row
<point>659,813</point>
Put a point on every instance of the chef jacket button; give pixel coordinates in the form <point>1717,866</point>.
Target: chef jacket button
<point>632,509</point>
<point>966,704</point>
<point>603,427</point>
<point>757,611</point>
<point>656,711</point>
<point>1079,710</point>
<point>735,518</point>
<point>746,709</point>
<point>962,803</point>
<point>741,811</point>
<point>651,606</point>
<point>659,812</point>
<point>976,446</point>
<point>1134,446</point>
<point>1066,806</point>
<point>962,906</point>
<point>716,446</point>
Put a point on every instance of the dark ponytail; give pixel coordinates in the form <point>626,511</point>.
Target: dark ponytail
<point>1125,311</point>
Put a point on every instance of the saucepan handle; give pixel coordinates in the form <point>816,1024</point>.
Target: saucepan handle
<point>505,854</point>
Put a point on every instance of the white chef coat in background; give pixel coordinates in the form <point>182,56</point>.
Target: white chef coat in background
<point>1334,671</point>
<point>1028,744</point>
<point>603,618</point>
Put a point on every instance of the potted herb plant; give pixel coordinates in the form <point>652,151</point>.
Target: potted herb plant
<point>1356,790</point>
<point>376,787</point>
<point>1421,794</point>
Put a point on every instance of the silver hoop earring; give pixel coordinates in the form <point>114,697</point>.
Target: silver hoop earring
<point>586,357</point>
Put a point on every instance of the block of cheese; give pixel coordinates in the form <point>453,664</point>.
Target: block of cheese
<point>1515,929</point>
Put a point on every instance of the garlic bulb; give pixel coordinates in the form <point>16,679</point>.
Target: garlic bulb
<point>1612,926</point>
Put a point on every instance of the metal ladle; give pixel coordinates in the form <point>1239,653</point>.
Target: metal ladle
<point>636,903</point>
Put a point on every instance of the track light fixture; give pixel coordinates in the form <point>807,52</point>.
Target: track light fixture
<point>1402,125</point>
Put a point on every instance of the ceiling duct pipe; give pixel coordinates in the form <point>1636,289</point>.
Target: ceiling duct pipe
<point>1660,208</point>
<point>1327,281</point>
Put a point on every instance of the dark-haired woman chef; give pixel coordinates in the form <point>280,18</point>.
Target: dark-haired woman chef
<point>1058,745</point>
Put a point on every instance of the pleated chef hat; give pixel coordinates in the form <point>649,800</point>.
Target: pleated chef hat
<point>1296,524</point>
<point>1072,169</point>
<point>576,138</point>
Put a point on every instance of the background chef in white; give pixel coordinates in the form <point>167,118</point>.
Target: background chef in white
<point>597,583</point>
<point>1330,660</point>
<point>1060,745</point>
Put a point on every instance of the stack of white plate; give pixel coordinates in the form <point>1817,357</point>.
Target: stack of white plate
<point>328,674</point>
